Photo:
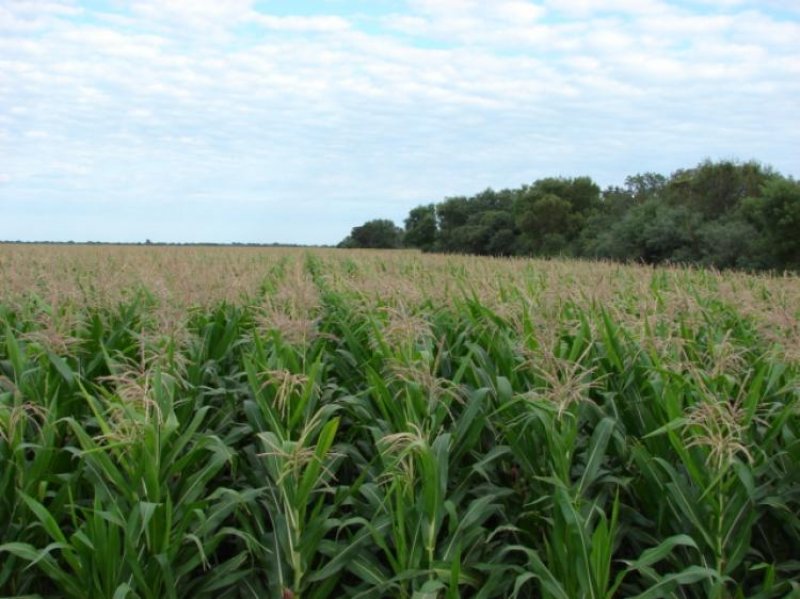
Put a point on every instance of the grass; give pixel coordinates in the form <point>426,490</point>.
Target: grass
<point>184,422</point>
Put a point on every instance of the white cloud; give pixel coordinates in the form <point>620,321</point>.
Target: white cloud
<point>170,99</point>
<point>101,43</point>
<point>140,113</point>
<point>193,13</point>
<point>588,8</point>
<point>519,11</point>
<point>300,24</point>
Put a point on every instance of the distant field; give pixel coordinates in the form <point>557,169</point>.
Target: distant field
<point>248,422</point>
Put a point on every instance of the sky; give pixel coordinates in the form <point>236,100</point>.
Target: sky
<point>287,121</point>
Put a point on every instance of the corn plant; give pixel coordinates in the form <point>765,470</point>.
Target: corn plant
<point>295,424</point>
<point>197,422</point>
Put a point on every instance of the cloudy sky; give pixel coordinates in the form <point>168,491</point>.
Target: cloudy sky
<point>293,121</point>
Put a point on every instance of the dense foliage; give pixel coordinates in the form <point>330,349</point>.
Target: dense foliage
<point>394,425</point>
<point>374,234</point>
<point>720,214</point>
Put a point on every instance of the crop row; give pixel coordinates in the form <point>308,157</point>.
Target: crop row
<point>362,442</point>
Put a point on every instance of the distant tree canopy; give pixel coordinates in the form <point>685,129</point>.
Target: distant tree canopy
<point>378,233</point>
<point>420,231</point>
<point>722,214</point>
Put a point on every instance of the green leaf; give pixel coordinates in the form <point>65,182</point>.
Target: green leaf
<point>62,367</point>
<point>662,550</point>
<point>46,518</point>
<point>665,586</point>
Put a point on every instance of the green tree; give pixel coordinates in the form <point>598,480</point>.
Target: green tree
<point>776,215</point>
<point>453,213</point>
<point>730,243</point>
<point>582,193</point>
<point>420,228</point>
<point>643,186</point>
<point>499,233</point>
<point>548,223</point>
<point>714,189</point>
<point>377,233</point>
<point>723,214</point>
<point>552,212</point>
<point>653,232</point>
<point>481,224</point>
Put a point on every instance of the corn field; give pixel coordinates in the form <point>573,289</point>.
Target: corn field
<point>240,422</point>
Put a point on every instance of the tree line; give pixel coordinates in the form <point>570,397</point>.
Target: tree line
<point>724,214</point>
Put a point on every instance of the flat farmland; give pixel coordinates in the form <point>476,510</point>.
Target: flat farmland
<point>306,423</point>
